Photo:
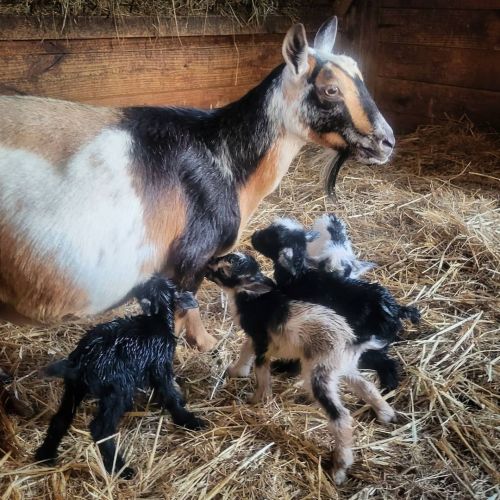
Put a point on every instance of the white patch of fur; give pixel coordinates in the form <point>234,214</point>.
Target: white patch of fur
<point>290,224</point>
<point>85,216</point>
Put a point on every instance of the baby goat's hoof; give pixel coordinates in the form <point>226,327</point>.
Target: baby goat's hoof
<point>339,476</point>
<point>387,415</point>
<point>47,457</point>
<point>204,342</point>
<point>195,423</point>
<point>127,473</point>
<point>234,371</point>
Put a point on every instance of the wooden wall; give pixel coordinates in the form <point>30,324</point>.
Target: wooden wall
<point>427,59</point>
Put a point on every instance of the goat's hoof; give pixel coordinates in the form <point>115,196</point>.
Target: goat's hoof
<point>387,415</point>
<point>339,476</point>
<point>204,342</point>
<point>195,423</point>
<point>46,457</point>
<point>127,473</point>
<point>233,371</point>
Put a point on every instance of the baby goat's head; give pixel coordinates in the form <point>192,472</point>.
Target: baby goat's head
<point>159,296</point>
<point>237,272</point>
<point>327,100</point>
<point>332,251</point>
<point>284,242</point>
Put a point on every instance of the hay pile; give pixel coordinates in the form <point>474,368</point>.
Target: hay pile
<point>243,11</point>
<point>431,222</point>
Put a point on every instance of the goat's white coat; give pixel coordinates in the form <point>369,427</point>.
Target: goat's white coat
<point>84,215</point>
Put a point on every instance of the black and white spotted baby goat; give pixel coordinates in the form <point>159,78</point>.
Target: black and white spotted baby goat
<point>279,327</point>
<point>332,250</point>
<point>112,361</point>
<point>369,308</point>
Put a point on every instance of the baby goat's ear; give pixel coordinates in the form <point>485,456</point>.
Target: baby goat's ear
<point>360,267</point>
<point>312,235</point>
<point>285,259</point>
<point>146,306</point>
<point>256,287</point>
<point>185,300</point>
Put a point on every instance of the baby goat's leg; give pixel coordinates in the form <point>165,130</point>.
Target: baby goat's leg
<point>368,392</point>
<point>386,367</point>
<point>242,367</point>
<point>104,425</point>
<point>325,389</point>
<point>263,391</point>
<point>170,398</point>
<point>59,425</point>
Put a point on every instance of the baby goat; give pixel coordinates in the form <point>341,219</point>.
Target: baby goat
<point>113,360</point>
<point>277,326</point>
<point>332,250</point>
<point>369,308</point>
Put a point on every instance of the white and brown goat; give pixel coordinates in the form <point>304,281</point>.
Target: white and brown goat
<point>93,201</point>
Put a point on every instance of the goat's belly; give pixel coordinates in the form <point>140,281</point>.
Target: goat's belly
<point>72,237</point>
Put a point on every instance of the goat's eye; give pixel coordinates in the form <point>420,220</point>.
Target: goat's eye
<point>331,91</point>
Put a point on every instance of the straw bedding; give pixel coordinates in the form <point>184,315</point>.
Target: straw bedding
<point>431,222</point>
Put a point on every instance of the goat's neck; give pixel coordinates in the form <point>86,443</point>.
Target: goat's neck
<point>254,135</point>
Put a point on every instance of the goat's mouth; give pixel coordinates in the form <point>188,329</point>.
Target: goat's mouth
<point>370,156</point>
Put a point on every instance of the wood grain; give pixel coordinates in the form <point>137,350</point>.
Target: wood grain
<point>478,69</point>
<point>442,4</point>
<point>138,70</point>
<point>474,29</point>
<point>435,102</point>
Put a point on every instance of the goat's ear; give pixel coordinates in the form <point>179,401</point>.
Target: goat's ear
<point>285,259</point>
<point>312,235</point>
<point>258,287</point>
<point>325,37</point>
<point>295,49</point>
<point>185,300</point>
<point>361,267</point>
<point>146,306</point>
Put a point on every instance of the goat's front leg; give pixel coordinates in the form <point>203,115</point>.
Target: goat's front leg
<point>243,365</point>
<point>324,385</point>
<point>196,334</point>
<point>263,391</point>
<point>369,393</point>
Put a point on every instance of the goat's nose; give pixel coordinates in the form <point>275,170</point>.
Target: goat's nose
<point>385,137</point>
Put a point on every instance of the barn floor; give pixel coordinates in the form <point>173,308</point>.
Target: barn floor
<point>431,222</point>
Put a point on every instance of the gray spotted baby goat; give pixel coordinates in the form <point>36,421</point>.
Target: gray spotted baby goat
<point>112,361</point>
<point>279,327</point>
<point>331,249</point>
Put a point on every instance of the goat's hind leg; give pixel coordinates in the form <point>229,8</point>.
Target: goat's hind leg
<point>170,398</point>
<point>368,392</point>
<point>387,368</point>
<point>104,426</point>
<point>59,425</point>
<point>325,389</point>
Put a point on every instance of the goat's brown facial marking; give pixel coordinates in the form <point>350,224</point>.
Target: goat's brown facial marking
<point>42,291</point>
<point>330,100</point>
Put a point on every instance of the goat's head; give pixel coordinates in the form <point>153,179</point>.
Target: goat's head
<point>237,272</point>
<point>327,101</point>
<point>159,296</point>
<point>284,242</point>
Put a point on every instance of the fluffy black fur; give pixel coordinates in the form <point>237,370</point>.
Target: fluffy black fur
<point>369,308</point>
<point>111,362</point>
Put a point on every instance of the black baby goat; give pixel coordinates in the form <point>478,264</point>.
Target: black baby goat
<point>369,308</point>
<point>113,360</point>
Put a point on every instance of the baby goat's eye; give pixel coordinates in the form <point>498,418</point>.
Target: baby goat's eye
<point>331,91</point>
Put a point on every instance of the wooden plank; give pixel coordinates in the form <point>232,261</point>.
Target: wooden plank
<point>405,123</point>
<point>97,70</point>
<point>437,101</point>
<point>479,69</point>
<point>473,29</point>
<point>442,4</point>
<point>57,27</point>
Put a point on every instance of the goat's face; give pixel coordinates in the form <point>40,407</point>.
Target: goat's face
<point>236,272</point>
<point>327,101</point>
<point>284,242</point>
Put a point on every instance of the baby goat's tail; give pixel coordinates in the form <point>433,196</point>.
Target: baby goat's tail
<point>58,369</point>
<point>409,312</point>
